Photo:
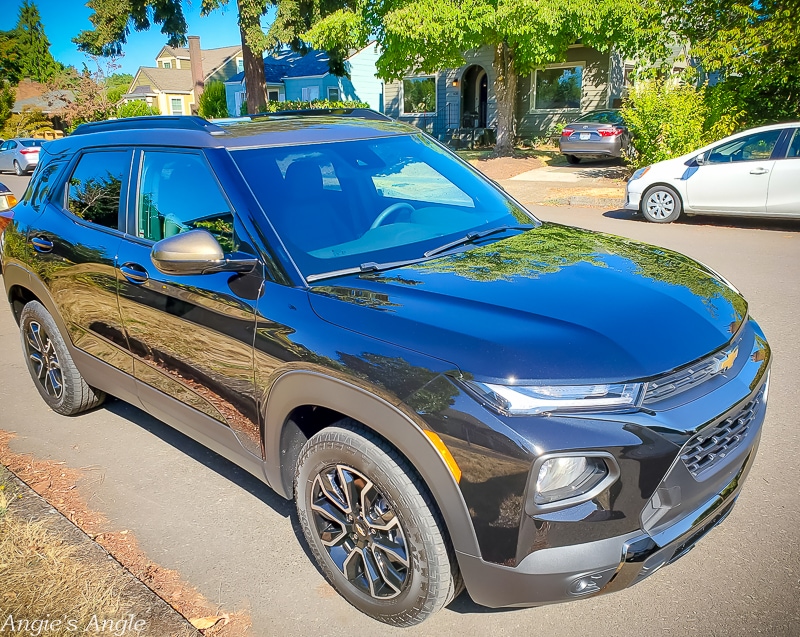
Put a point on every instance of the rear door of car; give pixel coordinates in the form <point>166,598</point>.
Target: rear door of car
<point>734,176</point>
<point>191,336</point>
<point>5,155</point>
<point>73,246</point>
<point>783,197</point>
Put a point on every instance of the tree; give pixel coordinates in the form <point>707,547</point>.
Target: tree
<point>7,94</point>
<point>752,46</point>
<point>113,20</point>
<point>35,59</point>
<point>117,85</point>
<point>213,101</point>
<point>26,123</point>
<point>85,94</point>
<point>9,57</point>
<point>425,36</point>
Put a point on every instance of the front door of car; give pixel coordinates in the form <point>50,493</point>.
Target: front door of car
<point>784,185</point>
<point>191,336</point>
<point>734,176</point>
<point>74,244</point>
<point>5,155</point>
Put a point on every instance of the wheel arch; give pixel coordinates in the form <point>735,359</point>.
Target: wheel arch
<point>22,287</point>
<point>283,440</point>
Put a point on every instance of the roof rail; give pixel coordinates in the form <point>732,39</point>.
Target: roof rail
<point>182,122</point>
<point>364,113</point>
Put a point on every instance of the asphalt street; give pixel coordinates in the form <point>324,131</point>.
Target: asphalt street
<point>240,545</point>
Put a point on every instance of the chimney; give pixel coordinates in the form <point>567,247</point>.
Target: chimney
<point>196,64</point>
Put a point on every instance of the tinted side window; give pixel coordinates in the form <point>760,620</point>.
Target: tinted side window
<point>95,187</point>
<point>178,192</point>
<point>41,184</point>
<point>758,146</point>
<point>794,146</point>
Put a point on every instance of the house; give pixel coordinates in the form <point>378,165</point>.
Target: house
<point>464,98</point>
<point>170,86</point>
<point>33,95</point>
<point>291,76</point>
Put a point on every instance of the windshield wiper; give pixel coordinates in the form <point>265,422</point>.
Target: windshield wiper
<point>474,236</point>
<point>371,266</point>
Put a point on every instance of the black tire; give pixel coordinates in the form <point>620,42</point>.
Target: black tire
<point>661,204</point>
<point>572,159</point>
<point>404,592</point>
<point>18,169</point>
<point>53,371</point>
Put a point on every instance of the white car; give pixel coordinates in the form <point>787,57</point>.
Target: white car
<point>752,173</point>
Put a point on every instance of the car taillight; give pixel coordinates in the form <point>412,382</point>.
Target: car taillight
<point>566,132</point>
<point>28,151</point>
<point>609,132</point>
<point>7,215</point>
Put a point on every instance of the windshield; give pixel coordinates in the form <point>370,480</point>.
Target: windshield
<point>602,117</point>
<point>340,205</point>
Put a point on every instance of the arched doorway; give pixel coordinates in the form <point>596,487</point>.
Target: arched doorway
<point>474,97</point>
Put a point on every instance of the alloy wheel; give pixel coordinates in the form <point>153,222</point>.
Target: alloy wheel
<point>660,204</point>
<point>46,366</point>
<point>360,531</point>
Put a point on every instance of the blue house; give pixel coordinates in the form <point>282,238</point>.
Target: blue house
<point>292,76</point>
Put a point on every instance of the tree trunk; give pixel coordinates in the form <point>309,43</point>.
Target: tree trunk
<point>505,90</point>
<point>255,83</point>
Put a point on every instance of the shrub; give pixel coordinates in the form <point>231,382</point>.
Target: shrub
<point>213,102</point>
<point>298,105</point>
<point>137,108</point>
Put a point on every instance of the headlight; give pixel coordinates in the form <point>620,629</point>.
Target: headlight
<point>639,173</point>
<point>535,399</point>
<point>566,479</point>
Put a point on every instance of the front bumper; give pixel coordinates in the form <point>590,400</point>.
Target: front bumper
<point>596,568</point>
<point>633,198</point>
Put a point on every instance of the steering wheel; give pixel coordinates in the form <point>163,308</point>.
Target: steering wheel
<point>389,210</point>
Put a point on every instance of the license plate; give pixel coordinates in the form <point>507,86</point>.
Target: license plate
<point>585,136</point>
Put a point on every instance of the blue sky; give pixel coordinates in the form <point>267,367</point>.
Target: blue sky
<point>64,19</point>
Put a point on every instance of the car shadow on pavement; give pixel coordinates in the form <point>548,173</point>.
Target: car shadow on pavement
<point>752,223</point>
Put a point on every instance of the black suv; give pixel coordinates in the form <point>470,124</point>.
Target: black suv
<point>454,393</point>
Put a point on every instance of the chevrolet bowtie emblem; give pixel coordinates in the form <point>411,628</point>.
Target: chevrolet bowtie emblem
<point>726,363</point>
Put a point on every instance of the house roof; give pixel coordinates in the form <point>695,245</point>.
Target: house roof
<point>290,64</point>
<point>212,58</point>
<point>167,80</point>
<point>47,102</point>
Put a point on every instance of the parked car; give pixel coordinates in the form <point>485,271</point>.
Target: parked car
<point>20,154</point>
<point>453,392</point>
<point>7,198</point>
<point>598,134</point>
<point>752,173</point>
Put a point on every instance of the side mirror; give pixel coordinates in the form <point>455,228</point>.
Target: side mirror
<point>195,252</point>
<point>700,159</point>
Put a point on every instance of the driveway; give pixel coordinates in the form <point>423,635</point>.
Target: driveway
<point>239,544</point>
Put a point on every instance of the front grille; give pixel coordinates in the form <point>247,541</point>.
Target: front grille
<point>691,376</point>
<point>708,448</point>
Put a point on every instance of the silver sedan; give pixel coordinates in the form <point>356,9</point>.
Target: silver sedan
<point>599,134</point>
<point>20,154</point>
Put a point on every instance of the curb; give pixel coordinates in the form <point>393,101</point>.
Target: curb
<point>161,619</point>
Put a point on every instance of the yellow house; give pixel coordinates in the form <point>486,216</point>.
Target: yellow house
<point>168,86</point>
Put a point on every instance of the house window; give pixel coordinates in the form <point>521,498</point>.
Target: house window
<point>273,96</point>
<point>167,65</point>
<point>177,106</point>
<point>310,93</point>
<point>419,95</point>
<point>558,88</point>
<point>333,93</point>
<point>239,65</point>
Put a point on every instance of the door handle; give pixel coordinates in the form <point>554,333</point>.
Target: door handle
<point>134,273</point>
<point>40,244</point>
<point>759,171</point>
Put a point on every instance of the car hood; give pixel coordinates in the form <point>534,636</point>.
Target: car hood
<point>552,304</point>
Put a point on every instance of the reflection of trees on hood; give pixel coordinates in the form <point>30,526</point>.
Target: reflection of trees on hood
<point>551,247</point>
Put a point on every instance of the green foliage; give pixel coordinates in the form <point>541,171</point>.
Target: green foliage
<point>35,59</point>
<point>117,85</point>
<point>754,48</point>
<point>213,102</point>
<point>9,57</point>
<point>298,105</point>
<point>7,95</point>
<point>667,119</point>
<point>136,108</point>
<point>25,124</point>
